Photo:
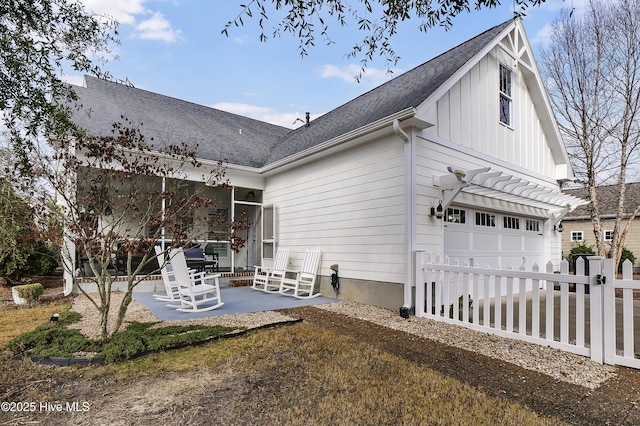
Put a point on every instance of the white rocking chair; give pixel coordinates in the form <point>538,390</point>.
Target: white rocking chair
<point>267,278</point>
<point>168,279</point>
<point>196,295</point>
<point>303,283</point>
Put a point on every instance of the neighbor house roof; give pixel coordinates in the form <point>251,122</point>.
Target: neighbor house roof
<point>243,141</point>
<point>608,197</point>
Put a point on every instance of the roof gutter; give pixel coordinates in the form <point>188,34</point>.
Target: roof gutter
<point>317,149</point>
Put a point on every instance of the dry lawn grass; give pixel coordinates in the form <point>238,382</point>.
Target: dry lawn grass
<point>15,322</point>
<point>294,375</point>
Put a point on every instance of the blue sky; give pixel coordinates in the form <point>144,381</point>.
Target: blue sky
<point>176,48</point>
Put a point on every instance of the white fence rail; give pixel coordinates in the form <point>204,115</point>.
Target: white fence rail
<point>576,313</point>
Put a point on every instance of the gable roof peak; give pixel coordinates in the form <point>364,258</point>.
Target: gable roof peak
<point>407,90</point>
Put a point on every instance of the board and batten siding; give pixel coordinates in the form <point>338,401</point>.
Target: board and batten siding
<point>467,114</point>
<point>351,205</point>
<point>432,159</point>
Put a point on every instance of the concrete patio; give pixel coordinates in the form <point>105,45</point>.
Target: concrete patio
<point>236,300</point>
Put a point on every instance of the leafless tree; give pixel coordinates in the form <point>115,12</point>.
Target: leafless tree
<point>120,197</point>
<point>591,68</point>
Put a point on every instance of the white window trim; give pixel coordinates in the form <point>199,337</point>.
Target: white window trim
<point>508,96</point>
<point>576,233</point>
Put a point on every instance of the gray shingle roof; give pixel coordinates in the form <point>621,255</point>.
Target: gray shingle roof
<point>608,197</point>
<point>219,135</point>
<point>404,91</point>
<point>243,141</point>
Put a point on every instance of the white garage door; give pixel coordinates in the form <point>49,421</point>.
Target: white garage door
<point>493,239</point>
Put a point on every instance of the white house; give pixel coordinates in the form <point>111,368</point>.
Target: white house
<point>459,156</point>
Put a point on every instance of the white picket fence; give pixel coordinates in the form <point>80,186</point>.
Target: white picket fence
<point>576,313</point>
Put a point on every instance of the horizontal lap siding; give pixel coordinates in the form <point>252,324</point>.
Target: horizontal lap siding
<point>350,205</point>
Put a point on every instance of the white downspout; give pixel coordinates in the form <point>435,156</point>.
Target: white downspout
<point>409,213</point>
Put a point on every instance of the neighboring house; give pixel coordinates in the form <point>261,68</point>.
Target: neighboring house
<point>577,225</point>
<point>470,134</point>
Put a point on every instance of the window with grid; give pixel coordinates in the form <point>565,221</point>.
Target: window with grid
<point>485,219</point>
<point>509,222</point>
<point>576,236</point>
<point>608,235</point>
<point>506,100</point>
<point>455,216</point>
<point>532,225</point>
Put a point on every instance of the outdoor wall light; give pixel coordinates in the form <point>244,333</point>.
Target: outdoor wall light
<point>558,227</point>
<point>438,212</point>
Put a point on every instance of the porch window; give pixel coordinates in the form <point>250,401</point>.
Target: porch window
<point>608,235</point>
<point>577,236</point>
<point>486,219</point>
<point>455,216</point>
<point>506,100</point>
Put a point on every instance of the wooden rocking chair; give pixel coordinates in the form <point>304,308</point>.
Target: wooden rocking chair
<point>303,282</point>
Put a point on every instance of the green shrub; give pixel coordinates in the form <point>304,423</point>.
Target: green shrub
<point>140,337</point>
<point>581,248</point>
<point>27,259</point>
<point>626,254</point>
<point>51,340</point>
<point>55,340</point>
<point>30,292</point>
<point>69,317</point>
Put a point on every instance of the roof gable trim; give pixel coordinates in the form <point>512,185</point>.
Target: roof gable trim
<point>447,85</point>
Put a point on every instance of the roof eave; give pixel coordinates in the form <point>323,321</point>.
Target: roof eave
<point>325,147</point>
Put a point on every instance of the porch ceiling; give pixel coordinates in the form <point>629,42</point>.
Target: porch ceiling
<point>505,187</point>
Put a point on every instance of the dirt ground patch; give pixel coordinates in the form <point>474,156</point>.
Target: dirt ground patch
<point>617,401</point>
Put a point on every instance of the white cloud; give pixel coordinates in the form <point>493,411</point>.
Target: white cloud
<point>291,120</point>
<point>124,11</point>
<point>76,80</point>
<point>132,13</point>
<point>158,28</point>
<point>543,36</point>
<point>370,76</point>
<point>240,40</point>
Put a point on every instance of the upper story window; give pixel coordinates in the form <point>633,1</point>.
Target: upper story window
<point>506,100</point>
<point>608,235</point>
<point>577,236</point>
